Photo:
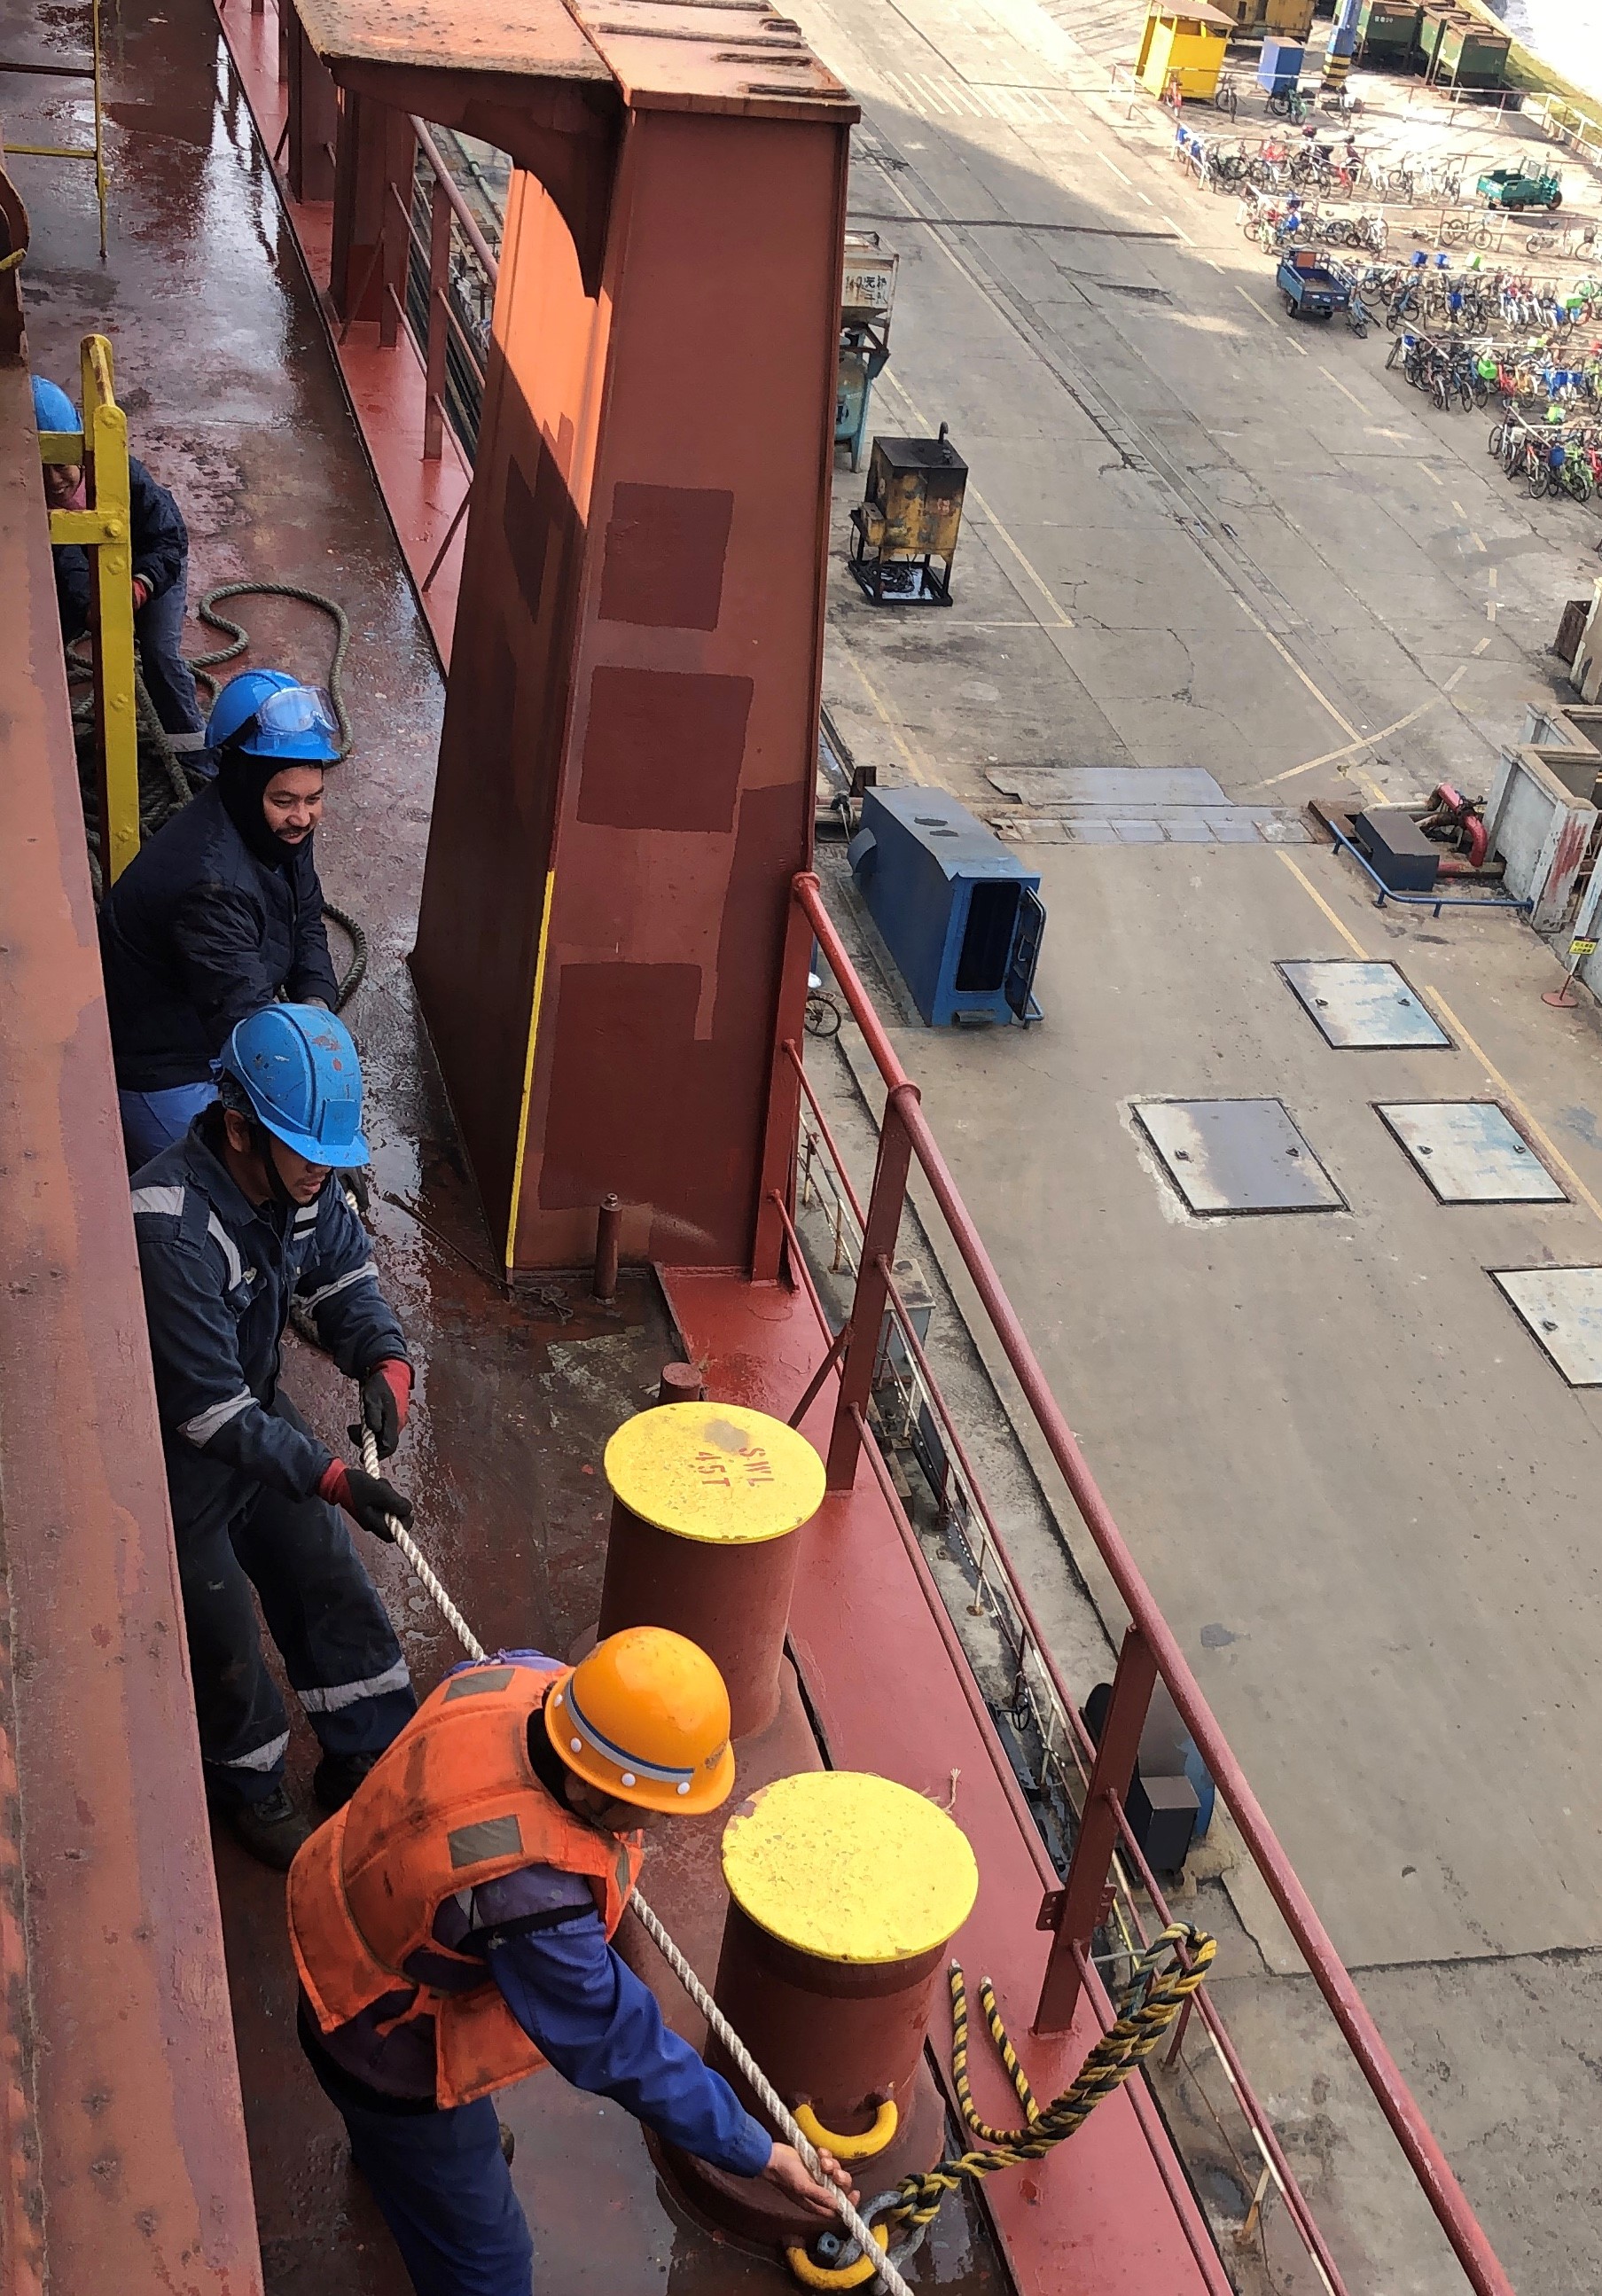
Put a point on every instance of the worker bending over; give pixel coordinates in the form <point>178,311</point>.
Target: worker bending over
<point>220,911</point>
<point>452,1929</point>
<point>241,1216</point>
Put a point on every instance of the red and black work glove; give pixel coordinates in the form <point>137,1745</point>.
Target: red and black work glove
<point>368,1499</point>
<point>386,1397</point>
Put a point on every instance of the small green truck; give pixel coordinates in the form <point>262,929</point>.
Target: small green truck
<point>1522,187</point>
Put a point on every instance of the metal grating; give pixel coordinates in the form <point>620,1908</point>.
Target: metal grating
<point>1470,1152</point>
<point>1363,1006</point>
<point>1237,1156</point>
<point>1561,1307</point>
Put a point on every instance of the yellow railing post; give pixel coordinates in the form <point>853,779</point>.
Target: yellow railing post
<point>104,529</point>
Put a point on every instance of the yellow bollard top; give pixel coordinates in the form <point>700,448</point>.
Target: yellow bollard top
<point>849,1867</point>
<point>715,1472</point>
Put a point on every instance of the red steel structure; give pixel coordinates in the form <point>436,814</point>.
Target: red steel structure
<point>612,955</point>
<point>124,2140</point>
<point>626,768</point>
<point>1150,1649</point>
<point>625,783</point>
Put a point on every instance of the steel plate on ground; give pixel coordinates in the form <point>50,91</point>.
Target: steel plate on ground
<point>1470,1153</point>
<point>1104,789</point>
<point>1363,1006</point>
<point>1237,1156</point>
<point>1562,1307</point>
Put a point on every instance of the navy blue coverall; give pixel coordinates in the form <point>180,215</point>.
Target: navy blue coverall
<point>242,1467</point>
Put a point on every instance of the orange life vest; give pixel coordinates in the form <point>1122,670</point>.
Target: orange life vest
<point>454,1803</point>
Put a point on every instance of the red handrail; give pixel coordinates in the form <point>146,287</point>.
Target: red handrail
<point>1412,2132</point>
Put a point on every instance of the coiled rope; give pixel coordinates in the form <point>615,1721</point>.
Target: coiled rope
<point>1166,1975</point>
<point>206,610</point>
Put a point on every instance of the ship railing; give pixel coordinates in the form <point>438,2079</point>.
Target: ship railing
<point>891,1388</point>
<point>439,281</point>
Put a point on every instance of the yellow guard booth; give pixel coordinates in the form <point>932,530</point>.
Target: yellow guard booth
<point>1186,44</point>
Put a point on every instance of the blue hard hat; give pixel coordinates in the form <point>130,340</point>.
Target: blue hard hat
<point>52,410</point>
<point>298,1067</point>
<point>267,713</point>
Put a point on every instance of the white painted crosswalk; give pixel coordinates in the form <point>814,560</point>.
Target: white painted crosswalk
<point>936,94</point>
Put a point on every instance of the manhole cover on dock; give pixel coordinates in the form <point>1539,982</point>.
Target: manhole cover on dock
<point>1237,1156</point>
<point>1470,1153</point>
<point>1562,1308</point>
<point>1362,1006</point>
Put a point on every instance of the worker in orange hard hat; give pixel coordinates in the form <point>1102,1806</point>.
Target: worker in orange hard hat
<point>452,1928</point>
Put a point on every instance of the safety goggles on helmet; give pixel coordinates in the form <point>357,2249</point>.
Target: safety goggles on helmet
<point>295,712</point>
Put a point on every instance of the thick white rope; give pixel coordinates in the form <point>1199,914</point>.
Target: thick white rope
<point>419,1562</point>
<point>887,2276</point>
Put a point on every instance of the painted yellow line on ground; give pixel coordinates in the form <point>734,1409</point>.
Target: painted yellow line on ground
<point>1364,741</point>
<point>1490,610</point>
<point>1475,540</point>
<point>1430,475</point>
<point>1491,576</point>
<point>1483,644</point>
<point>909,756</point>
<point>1341,387</point>
<point>1064,620</point>
<point>1456,674</point>
<point>1319,901</point>
<point>1291,663</point>
<point>1061,619</point>
<point>1457,507</point>
<point>1537,1131</point>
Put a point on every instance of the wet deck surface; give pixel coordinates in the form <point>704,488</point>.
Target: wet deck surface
<point>234,401</point>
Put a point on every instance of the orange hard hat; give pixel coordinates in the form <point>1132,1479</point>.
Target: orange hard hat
<point>644,1716</point>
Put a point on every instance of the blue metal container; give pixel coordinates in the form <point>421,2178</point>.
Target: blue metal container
<point>1280,69</point>
<point>960,913</point>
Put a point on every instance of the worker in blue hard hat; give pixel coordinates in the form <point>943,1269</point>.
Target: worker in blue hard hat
<point>161,541</point>
<point>238,1219</point>
<point>221,911</point>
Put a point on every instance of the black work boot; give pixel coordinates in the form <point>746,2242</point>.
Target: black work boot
<point>272,1830</point>
<point>337,1777</point>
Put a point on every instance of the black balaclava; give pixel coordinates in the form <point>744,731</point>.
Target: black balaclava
<point>241,783</point>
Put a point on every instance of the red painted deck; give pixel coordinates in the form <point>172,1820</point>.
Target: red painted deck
<point>1110,2211</point>
<point>385,385</point>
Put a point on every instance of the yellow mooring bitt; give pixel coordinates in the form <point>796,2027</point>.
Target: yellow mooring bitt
<point>104,529</point>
